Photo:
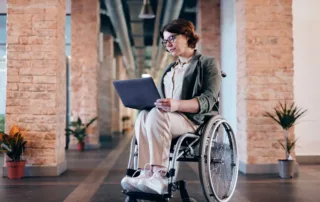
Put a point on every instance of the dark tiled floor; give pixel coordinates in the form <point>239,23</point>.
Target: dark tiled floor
<point>262,188</point>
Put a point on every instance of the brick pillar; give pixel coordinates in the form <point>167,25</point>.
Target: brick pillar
<point>85,26</point>
<point>122,76</point>
<point>264,77</point>
<point>106,87</point>
<point>36,82</point>
<point>116,105</point>
<point>123,110</point>
<point>208,27</point>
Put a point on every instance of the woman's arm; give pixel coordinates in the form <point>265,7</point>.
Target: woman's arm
<point>189,106</point>
<point>211,86</point>
<point>206,100</point>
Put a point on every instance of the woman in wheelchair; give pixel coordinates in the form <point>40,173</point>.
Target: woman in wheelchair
<point>189,88</point>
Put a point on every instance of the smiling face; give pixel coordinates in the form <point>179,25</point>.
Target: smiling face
<point>176,44</point>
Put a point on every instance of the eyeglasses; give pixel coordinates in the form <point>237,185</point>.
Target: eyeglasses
<point>170,39</point>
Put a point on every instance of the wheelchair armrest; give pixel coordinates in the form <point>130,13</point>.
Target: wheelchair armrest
<point>207,117</point>
<point>210,114</point>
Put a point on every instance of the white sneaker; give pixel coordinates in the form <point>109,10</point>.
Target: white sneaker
<point>157,184</point>
<point>131,183</point>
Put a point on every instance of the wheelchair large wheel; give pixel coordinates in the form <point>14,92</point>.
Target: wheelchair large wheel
<point>218,165</point>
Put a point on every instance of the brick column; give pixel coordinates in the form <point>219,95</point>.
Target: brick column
<point>116,105</point>
<point>122,76</point>
<point>85,27</point>
<point>105,87</point>
<point>208,27</point>
<point>264,77</point>
<point>123,110</point>
<point>36,82</point>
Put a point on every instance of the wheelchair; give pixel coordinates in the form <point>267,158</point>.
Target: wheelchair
<point>213,146</point>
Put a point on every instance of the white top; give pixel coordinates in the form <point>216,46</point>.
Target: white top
<point>173,81</point>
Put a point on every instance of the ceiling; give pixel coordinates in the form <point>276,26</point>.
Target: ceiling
<point>141,32</point>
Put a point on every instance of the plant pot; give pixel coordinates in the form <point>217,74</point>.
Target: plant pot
<point>16,169</point>
<point>80,146</point>
<point>286,168</point>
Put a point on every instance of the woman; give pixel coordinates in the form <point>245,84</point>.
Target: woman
<point>189,88</point>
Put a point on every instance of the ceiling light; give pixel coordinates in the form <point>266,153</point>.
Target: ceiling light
<point>146,10</point>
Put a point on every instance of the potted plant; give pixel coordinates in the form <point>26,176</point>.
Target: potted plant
<point>286,117</point>
<point>13,145</point>
<point>79,131</point>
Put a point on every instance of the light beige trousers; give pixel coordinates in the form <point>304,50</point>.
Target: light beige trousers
<point>154,131</point>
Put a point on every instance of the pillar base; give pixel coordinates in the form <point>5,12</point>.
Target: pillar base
<point>40,171</point>
<point>308,159</point>
<point>263,168</point>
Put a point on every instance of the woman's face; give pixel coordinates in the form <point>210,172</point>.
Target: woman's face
<point>176,44</point>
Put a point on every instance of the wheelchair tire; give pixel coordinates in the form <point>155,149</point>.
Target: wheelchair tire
<point>218,159</point>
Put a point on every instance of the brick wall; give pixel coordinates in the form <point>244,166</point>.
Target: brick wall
<point>208,27</point>
<point>36,73</point>
<point>85,27</point>
<point>265,75</point>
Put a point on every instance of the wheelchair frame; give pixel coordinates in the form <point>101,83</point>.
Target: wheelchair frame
<point>182,150</point>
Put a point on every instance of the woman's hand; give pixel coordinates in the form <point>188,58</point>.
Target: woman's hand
<point>168,104</point>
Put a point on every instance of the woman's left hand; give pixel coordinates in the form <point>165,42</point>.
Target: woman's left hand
<point>168,104</point>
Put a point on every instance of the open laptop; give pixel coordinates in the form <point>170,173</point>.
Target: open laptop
<point>138,94</point>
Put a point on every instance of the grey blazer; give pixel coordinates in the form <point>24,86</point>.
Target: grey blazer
<point>202,80</point>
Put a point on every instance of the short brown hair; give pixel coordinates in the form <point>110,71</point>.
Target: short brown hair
<point>184,27</point>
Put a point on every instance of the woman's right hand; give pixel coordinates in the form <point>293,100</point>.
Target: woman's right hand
<point>168,104</point>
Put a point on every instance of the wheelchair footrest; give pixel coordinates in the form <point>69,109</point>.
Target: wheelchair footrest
<point>146,196</point>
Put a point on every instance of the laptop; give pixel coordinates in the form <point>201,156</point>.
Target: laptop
<point>138,94</point>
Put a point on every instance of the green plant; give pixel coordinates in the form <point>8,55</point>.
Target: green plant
<point>286,116</point>
<point>79,129</point>
<point>13,144</point>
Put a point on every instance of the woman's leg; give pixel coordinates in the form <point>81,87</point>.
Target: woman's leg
<point>142,139</point>
<point>131,183</point>
<point>161,127</point>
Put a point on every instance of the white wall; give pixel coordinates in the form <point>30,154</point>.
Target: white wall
<point>228,62</point>
<point>306,37</point>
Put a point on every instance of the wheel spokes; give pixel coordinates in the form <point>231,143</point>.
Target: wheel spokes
<point>220,165</point>
<point>219,161</point>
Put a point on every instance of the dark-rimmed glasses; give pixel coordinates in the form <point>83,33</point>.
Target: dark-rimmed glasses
<point>170,39</point>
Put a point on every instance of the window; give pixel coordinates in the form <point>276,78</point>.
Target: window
<point>3,69</point>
